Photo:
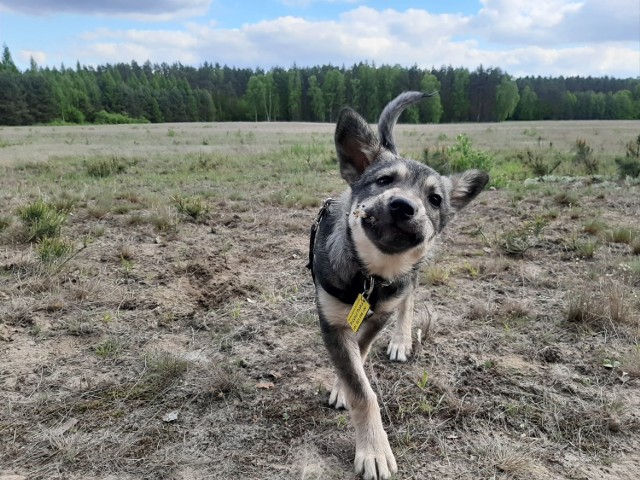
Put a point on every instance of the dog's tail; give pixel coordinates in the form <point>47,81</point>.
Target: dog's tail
<point>390,114</point>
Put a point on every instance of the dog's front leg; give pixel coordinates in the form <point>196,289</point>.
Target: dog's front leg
<point>366,334</point>
<point>400,345</point>
<point>374,458</point>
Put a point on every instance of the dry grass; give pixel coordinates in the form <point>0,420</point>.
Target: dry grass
<point>168,347</point>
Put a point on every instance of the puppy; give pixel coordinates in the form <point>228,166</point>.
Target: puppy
<point>365,253</point>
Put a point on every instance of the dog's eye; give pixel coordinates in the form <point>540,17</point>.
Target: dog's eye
<point>383,181</point>
<point>435,200</point>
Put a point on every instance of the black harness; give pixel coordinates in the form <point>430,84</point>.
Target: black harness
<point>374,288</point>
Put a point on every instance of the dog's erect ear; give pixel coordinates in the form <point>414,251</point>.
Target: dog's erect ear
<point>466,186</point>
<point>356,145</point>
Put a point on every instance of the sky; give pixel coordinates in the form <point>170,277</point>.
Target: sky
<point>522,37</point>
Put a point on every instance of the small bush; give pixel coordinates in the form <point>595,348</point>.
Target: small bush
<point>105,167</point>
<point>435,275</point>
<point>53,249</point>
<point>622,235</point>
<point>582,248</point>
<point>5,222</point>
<point>603,309</point>
<point>583,155</point>
<point>629,165</point>
<point>106,118</point>
<point>41,219</point>
<point>536,162</point>
<point>457,158</point>
<point>516,242</point>
<point>193,207</point>
<point>594,227</point>
<point>464,157</point>
<point>438,159</point>
<point>566,199</point>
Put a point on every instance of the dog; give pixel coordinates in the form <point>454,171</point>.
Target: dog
<point>366,249</point>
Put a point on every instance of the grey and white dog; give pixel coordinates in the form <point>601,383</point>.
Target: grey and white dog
<point>370,244</point>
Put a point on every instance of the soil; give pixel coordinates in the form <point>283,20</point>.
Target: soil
<point>202,357</point>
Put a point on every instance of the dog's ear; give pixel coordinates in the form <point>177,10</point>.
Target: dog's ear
<point>356,145</point>
<point>466,186</point>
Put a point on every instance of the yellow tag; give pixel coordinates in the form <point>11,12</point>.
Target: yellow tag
<point>358,312</point>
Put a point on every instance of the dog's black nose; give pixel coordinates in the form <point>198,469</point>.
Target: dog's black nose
<point>402,209</point>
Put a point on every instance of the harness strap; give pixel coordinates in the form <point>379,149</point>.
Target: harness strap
<point>314,230</point>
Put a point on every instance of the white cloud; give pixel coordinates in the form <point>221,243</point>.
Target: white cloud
<point>143,10</point>
<point>520,37</point>
<point>39,56</point>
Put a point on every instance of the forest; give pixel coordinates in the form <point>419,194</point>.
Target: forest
<point>134,93</point>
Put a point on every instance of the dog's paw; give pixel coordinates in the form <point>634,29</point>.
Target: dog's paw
<point>398,350</point>
<point>375,460</point>
<point>338,397</point>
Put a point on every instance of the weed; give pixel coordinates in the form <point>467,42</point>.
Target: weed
<point>193,207</point>
<point>435,275</point>
<point>635,245</point>
<point>629,165</point>
<point>566,199</point>
<point>622,235</point>
<point>537,163</point>
<point>457,158</point>
<point>464,157</point>
<point>41,219</point>
<point>583,155</point>
<point>105,167</point>
<point>423,380</point>
<point>125,252</point>
<point>171,133</point>
<point>517,241</point>
<point>5,222</point>
<point>605,309</point>
<point>594,227</point>
<point>52,249</point>
<point>109,348</point>
<point>66,202</point>
<point>101,209</point>
<point>438,159</point>
<point>162,370</point>
<point>581,248</point>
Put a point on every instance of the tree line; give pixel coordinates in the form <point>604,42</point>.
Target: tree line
<point>129,92</point>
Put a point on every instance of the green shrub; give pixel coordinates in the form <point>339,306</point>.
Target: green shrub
<point>41,219</point>
<point>457,158</point>
<point>536,162</point>
<point>464,157</point>
<point>193,207</point>
<point>106,118</point>
<point>583,155</point>
<point>52,249</point>
<point>629,165</point>
<point>105,167</point>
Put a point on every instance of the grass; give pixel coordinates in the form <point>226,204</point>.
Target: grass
<point>192,207</point>
<point>158,323</point>
<point>106,167</point>
<point>54,249</point>
<point>623,235</point>
<point>41,219</point>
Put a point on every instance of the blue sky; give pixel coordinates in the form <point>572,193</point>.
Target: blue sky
<point>523,37</point>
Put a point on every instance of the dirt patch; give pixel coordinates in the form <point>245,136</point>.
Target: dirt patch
<point>192,350</point>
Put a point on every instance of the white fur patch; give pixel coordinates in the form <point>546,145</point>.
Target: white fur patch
<point>333,309</point>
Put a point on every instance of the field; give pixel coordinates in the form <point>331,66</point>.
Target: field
<point>157,319</point>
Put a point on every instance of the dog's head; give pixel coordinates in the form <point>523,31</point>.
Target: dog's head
<point>398,205</point>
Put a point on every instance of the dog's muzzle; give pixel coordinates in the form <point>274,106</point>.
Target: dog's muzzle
<point>395,225</point>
